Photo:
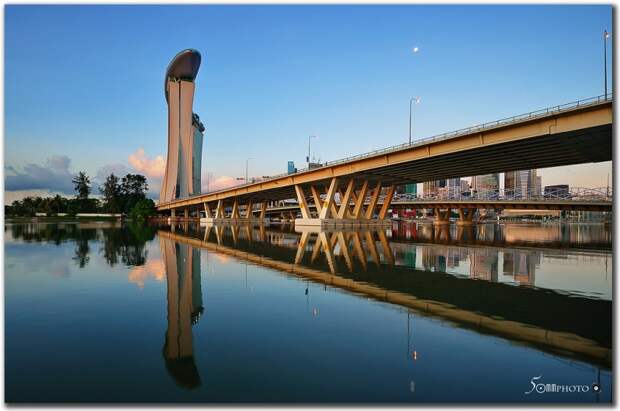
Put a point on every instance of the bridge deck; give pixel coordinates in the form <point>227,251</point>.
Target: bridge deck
<point>579,133</point>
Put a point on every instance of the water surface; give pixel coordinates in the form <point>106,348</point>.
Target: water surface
<point>126,313</point>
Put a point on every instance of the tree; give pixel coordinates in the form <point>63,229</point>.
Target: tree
<point>81,182</point>
<point>133,188</point>
<point>58,204</point>
<point>29,205</point>
<point>112,194</point>
<point>143,208</point>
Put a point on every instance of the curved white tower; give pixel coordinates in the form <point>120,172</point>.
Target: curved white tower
<point>185,131</point>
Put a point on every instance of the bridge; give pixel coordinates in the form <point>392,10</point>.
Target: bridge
<point>573,133</point>
<point>466,203</point>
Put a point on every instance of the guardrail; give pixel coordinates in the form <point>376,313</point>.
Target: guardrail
<point>581,194</point>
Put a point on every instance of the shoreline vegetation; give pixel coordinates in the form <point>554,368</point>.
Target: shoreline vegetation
<point>120,198</point>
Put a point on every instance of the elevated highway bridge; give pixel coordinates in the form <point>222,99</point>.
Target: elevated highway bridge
<point>574,133</point>
<point>575,199</point>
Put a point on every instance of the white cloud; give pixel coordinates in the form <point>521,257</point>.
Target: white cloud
<point>150,167</point>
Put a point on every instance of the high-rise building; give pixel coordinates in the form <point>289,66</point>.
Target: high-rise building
<point>521,183</point>
<point>486,185</point>
<point>454,187</point>
<point>185,131</point>
<point>538,186</point>
<point>464,186</point>
<point>198,129</point>
<point>433,188</point>
<point>411,189</point>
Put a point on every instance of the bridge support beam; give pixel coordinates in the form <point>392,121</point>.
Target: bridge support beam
<point>349,211</point>
<point>219,216</point>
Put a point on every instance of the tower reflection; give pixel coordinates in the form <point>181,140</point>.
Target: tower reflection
<point>182,264</point>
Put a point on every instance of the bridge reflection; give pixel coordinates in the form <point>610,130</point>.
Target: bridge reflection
<point>561,236</point>
<point>368,263</point>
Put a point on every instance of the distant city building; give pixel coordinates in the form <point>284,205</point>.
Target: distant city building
<point>558,190</point>
<point>433,188</point>
<point>291,167</point>
<point>538,186</point>
<point>454,187</point>
<point>443,189</point>
<point>521,183</point>
<point>464,186</point>
<point>486,183</point>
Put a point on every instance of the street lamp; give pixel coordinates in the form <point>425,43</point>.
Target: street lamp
<point>308,158</point>
<point>411,100</point>
<point>246,168</point>
<point>605,37</point>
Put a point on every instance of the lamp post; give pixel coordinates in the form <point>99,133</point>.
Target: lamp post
<point>308,158</point>
<point>605,37</point>
<point>246,168</point>
<point>411,100</point>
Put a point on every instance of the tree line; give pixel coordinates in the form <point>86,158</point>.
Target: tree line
<point>126,195</point>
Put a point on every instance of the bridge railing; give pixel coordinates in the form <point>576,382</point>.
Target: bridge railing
<point>477,128</point>
<point>597,194</point>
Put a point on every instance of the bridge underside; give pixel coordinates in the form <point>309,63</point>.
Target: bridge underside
<point>590,145</point>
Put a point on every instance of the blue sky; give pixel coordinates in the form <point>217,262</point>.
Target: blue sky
<point>84,84</point>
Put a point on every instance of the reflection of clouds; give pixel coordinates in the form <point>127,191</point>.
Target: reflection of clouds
<point>153,268</point>
<point>224,259</point>
<point>44,261</point>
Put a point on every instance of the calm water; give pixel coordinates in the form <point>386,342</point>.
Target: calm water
<point>101,312</point>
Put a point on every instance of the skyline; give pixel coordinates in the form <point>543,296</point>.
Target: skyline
<point>280,79</point>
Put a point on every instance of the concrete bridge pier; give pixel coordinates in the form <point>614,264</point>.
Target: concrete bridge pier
<point>350,212</point>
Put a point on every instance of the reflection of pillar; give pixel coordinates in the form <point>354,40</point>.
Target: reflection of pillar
<point>182,263</point>
<point>464,233</point>
<point>442,216</point>
<point>442,232</point>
